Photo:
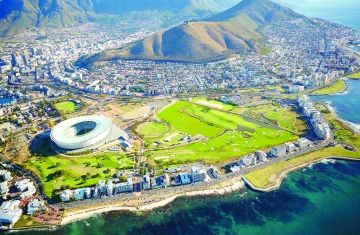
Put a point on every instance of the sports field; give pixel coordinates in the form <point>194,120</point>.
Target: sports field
<point>56,172</point>
<point>151,130</point>
<point>229,135</point>
<point>67,107</point>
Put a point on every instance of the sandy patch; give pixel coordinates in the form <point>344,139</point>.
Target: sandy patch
<point>209,104</point>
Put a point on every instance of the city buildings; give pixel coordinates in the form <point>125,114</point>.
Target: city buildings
<point>125,186</point>
<point>278,151</point>
<point>261,155</point>
<point>198,174</point>
<point>66,195</point>
<point>320,126</point>
<point>35,206</point>
<point>10,213</point>
<point>185,178</point>
<point>303,143</point>
<point>249,160</point>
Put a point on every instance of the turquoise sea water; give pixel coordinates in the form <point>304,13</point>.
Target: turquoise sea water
<point>347,104</point>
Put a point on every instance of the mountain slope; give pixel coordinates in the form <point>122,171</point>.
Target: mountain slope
<point>231,32</point>
<point>16,15</point>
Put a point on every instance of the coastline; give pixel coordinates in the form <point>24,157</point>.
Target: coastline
<point>81,214</point>
<point>352,126</point>
<point>72,216</point>
<point>337,87</point>
<point>279,179</point>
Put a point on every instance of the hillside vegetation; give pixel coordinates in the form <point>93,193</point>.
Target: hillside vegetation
<point>234,31</point>
<point>17,15</point>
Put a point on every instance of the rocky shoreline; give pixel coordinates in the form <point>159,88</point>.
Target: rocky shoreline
<point>72,216</point>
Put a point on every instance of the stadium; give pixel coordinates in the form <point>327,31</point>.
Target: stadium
<point>85,132</point>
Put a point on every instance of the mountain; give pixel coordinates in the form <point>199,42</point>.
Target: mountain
<point>16,15</point>
<point>233,31</point>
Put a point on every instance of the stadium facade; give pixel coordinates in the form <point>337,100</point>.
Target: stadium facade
<point>81,132</point>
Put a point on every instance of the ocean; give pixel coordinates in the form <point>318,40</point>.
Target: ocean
<point>345,104</point>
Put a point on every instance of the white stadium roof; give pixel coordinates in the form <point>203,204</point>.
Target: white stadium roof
<point>81,132</point>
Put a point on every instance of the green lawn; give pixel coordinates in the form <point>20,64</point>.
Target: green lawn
<point>337,87</point>
<point>267,176</point>
<point>354,75</point>
<point>230,145</point>
<point>230,135</point>
<point>282,117</point>
<point>151,130</point>
<point>58,172</point>
<point>177,115</point>
<point>67,107</point>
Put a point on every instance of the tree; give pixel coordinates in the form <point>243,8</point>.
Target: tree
<point>123,178</point>
<point>97,175</point>
<point>50,122</point>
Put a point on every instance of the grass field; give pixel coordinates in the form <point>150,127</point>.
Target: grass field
<point>67,107</point>
<point>58,172</point>
<point>337,87</point>
<point>151,130</point>
<point>354,75</point>
<point>179,117</point>
<point>266,177</point>
<point>229,136</point>
<point>283,117</point>
<point>229,145</point>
